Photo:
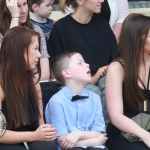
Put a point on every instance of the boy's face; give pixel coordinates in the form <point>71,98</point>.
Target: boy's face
<point>45,8</point>
<point>78,69</point>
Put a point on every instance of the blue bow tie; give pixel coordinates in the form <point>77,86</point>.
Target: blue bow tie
<point>77,97</point>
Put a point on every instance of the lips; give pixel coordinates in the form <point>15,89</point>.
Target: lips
<point>89,71</point>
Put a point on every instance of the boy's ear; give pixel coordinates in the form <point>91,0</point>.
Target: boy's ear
<point>35,7</point>
<point>66,73</point>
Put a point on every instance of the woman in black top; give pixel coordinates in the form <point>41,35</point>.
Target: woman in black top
<point>20,93</point>
<point>89,34</point>
<point>127,84</point>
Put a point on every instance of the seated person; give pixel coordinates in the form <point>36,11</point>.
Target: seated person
<point>74,111</point>
<point>127,85</point>
<point>20,93</point>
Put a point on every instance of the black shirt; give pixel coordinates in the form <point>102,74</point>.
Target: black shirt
<point>94,40</point>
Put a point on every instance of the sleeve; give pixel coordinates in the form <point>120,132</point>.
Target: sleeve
<point>57,117</point>
<point>55,42</point>
<point>1,38</point>
<point>99,124</point>
<point>43,46</point>
<point>123,10</point>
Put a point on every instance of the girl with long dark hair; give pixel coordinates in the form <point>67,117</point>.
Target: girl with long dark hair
<point>20,93</point>
<point>127,84</point>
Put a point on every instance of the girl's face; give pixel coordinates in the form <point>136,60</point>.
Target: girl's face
<point>93,6</point>
<point>23,9</point>
<point>32,55</point>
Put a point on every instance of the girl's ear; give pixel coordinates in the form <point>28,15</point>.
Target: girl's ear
<point>66,73</point>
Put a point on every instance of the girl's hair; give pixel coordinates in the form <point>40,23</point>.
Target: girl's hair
<point>64,3</point>
<point>5,18</point>
<point>31,2</point>
<point>133,37</point>
<point>15,79</point>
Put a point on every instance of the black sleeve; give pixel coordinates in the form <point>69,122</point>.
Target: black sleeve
<point>54,46</point>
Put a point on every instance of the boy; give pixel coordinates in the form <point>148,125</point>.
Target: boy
<point>41,10</point>
<point>74,111</point>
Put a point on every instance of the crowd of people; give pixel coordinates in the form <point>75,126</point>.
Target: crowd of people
<point>99,56</point>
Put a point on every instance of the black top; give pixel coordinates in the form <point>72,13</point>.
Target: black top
<point>146,93</point>
<point>94,40</point>
<point>34,122</point>
<point>105,10</point>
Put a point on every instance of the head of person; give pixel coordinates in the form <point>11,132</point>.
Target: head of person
<point>5,15</point>
<point>42,8</point>
<point>134,45</point>
<point>70,65</point>
<point>19,55</point>
<point>90,6</point>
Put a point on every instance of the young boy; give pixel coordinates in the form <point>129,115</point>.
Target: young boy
<point>74,111</point>
<point>41,10</point>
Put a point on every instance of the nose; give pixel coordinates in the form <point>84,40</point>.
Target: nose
<point>38,54</point>
<point>87,65</point>
<point>23,9</point>
<point>51,8</point>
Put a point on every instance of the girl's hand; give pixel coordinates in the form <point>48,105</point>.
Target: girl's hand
<point>45,133</point>
<point>13,8</point>
<point>145,137</point>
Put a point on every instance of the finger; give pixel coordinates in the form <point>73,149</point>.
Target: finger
<point>50,133</point>
<point>49,130</point>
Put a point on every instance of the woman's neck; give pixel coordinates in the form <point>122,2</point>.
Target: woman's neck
<point>84,18</point>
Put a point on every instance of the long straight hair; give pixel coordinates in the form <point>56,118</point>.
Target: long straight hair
<point>15,79</point>
<point>5,18</point>
<point>133,37</point>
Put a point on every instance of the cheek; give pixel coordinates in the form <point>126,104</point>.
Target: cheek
<point>147,44</point>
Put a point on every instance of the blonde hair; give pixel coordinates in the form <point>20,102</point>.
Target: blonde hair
<point>64,3</point>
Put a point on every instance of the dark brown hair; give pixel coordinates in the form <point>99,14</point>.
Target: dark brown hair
<point>133,37</point>
<point>15,79</point>
<point>60,63</point>
<point>31,2</point>
<point>5,18</point>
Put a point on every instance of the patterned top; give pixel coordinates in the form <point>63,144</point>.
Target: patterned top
<point>44,53</point>
<point>46,27</point>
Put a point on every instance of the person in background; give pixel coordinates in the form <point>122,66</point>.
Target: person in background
<point>89,34</point>
<point>41,10</point>
<point>114,11</point>
<point>20,93</point>
<point>15,13</point>
<point>127,84</point>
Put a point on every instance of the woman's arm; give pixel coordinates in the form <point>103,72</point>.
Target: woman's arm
<point>43,133</point>
<point>14,10</point>
<point>114,100</point>
<point>100,72</point>
<point>44,61</point>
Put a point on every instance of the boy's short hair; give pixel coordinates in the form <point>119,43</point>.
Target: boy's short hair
<point>60,63</point>
<point>31,2</point>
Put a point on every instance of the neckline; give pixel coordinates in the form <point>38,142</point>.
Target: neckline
<point>81,24</point>
<point>148,80</point>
